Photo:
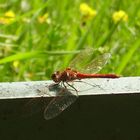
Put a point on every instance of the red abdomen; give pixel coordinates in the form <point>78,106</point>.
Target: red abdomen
<point>82,76</point>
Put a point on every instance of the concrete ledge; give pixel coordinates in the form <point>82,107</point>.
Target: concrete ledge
<point>99,86</point>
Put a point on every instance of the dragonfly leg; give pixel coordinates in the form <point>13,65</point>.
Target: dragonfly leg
<point>64,85</point>
<point>73,87</point>
<point>62,89</point>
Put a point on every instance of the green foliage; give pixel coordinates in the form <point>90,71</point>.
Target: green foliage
<point>34,45</point>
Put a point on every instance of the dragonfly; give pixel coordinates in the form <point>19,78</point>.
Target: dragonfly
<point>81,67</point>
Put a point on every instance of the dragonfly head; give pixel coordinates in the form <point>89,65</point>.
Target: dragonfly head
<point>56,76</point>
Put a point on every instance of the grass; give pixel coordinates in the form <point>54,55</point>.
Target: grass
<point>30,50</point>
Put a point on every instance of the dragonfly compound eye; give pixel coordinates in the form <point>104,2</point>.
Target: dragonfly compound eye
<point>55,77</point>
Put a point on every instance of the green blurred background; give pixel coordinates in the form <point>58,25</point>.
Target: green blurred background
<point>41,36</point>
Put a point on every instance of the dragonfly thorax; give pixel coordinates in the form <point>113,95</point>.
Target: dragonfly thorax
<point>65,76</point>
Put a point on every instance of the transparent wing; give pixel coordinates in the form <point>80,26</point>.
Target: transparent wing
<point>59,104</point>
<point>97,64</point>
<point>87,62</point>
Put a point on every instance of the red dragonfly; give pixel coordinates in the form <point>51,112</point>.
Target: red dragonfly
<point>86,67</point>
